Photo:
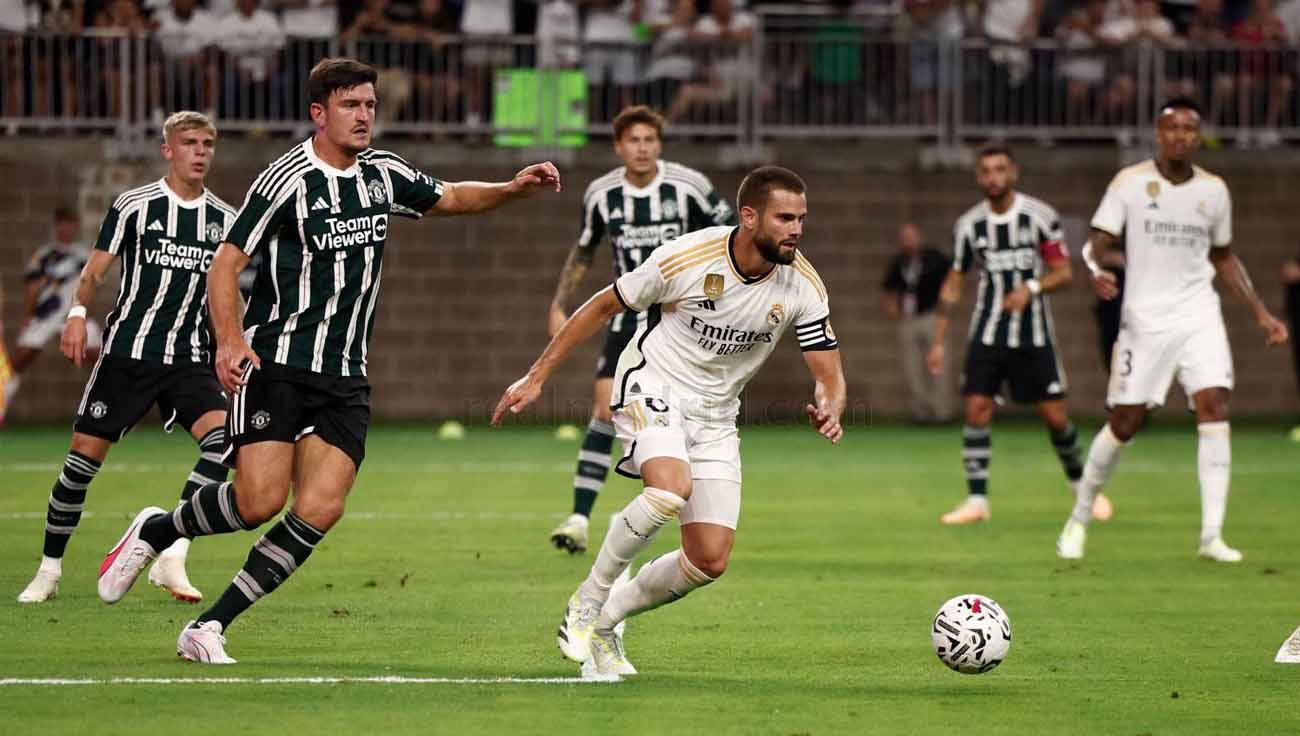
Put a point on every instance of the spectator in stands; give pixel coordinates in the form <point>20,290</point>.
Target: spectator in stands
<point>250,40</point>
<point>609,55</point>
<point>375,30</point>
<point>1289,13</point>
<point>1134,25</point>
<point>559,32</point>
<point>725,34</point>
<point>486,25</point>
<point>56,56</point>
<point>1259,71</point>
<point>1084,64</point>
<point>933,22</point>
<point>13,21</point>
<point>179,78</point>
<point>309,19</point>
<point>1009,25</point>
<point>909,294</point>
<point>1291,281</point>
<point>671,62</point>
<point>437,85</point>
<point>120,17</point>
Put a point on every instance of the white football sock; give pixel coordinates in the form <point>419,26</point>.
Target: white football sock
<point>1214,467</point>
<point>630,533</point>
<point>52,564</point>
<point>1103,456</point>
<point>664,580</point>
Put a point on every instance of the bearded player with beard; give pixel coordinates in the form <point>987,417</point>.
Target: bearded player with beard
<point>716,302</point>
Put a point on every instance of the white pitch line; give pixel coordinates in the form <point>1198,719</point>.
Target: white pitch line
<point>378,680</point>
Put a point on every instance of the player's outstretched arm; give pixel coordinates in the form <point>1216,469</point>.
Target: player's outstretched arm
<point>224,304</point>
<point>587,321</point>
<point>73,341</point>
<point>1233,273</point>
<point>949,298</point>
<point>470,197</point>
<point>1099,250</point>
<point>575,268</point>
<point>829,393</point>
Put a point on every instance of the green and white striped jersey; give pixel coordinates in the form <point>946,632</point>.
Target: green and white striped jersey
<point>166,245</point>
<point>637,220</point>
<point>323,232</point>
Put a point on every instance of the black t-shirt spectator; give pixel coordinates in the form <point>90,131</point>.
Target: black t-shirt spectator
<point>917,281</point>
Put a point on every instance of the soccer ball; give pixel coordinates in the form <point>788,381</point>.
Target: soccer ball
<point>972,634</point>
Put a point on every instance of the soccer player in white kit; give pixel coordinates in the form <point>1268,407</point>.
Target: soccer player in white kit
<point>717,302</point>
<point>1177,222</point>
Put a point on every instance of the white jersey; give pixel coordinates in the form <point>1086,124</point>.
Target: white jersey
<point>1168,231</point>
<point>708,328</point>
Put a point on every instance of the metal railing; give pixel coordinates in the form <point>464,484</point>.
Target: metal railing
<point>822,77</point>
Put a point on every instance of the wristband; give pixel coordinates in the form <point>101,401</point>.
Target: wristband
<point>77,311</point>
<point>1034,286</point>
<point>1088,261</point>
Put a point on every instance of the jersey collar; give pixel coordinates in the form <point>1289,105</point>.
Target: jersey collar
<point>633,191</point>
<point>735,267</point>
<point>192,204</point>
<point>329,170</point>
<point>1005,217</point>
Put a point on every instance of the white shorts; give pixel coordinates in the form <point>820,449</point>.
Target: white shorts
<point>649,428</point>
<point>616,65</point>
<point>39,332</point>
<point>1145,363</point>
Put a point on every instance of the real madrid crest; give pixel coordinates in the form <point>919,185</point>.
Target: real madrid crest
<point>830,334</point>
<point>776,315</point>
<point>1153,189</point>
<point>214,232</point>
<point>713,285</point>
<point>376,188</point>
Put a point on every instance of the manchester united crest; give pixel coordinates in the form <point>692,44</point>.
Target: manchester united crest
<point>214,232</point>
<point>713,285</point>
<point>377,193</point>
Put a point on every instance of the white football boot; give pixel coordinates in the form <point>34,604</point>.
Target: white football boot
<point>1289,652</point>
<point>44,586</point>
<point>1069,546</point>
<point>1218,550</point>
<point>574,636</point>
<point>203,643</point>
<point>168,573</point>
<point>572,534</point>
<point>124,563</point>
<point>608,658</point>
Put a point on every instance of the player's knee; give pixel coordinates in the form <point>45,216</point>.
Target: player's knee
<point>710,562</point>
<point>1125,426</point>
<point>258,504</point>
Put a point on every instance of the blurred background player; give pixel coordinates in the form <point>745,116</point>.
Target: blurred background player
<point>636,207</point>
<point>1178,222</point>
<point>157,350</point>
<point>909,294</point>
<point>50,282</point>
<point>1017,243</point>
<point>719,300</point>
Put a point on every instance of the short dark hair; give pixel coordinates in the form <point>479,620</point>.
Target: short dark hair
<point>1180,103</point>
<point>995,148</point>
<point>638,114</point>
<point>337,73</point>
<point>65,213</point>
<point>758,185</point>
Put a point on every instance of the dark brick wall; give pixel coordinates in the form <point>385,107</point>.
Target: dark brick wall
<point>464,300</point>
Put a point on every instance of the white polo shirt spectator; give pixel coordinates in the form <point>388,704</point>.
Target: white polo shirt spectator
<point>251,36</point>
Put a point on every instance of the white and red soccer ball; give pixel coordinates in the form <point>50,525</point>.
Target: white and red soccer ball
<point>971,633</point>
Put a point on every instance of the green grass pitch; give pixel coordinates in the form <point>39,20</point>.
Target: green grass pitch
<point>820,627</point>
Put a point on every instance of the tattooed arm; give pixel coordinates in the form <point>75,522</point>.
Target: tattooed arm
<point>575,268</point>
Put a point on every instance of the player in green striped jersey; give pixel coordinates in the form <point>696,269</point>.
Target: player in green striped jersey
<point>297,369</point>
<point>157,349</point>
<point>637,207</point>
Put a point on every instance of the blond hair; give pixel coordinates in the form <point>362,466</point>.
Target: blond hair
<point>185,120</point>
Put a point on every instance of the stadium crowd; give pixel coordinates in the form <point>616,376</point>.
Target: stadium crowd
<point>1057,62</point>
